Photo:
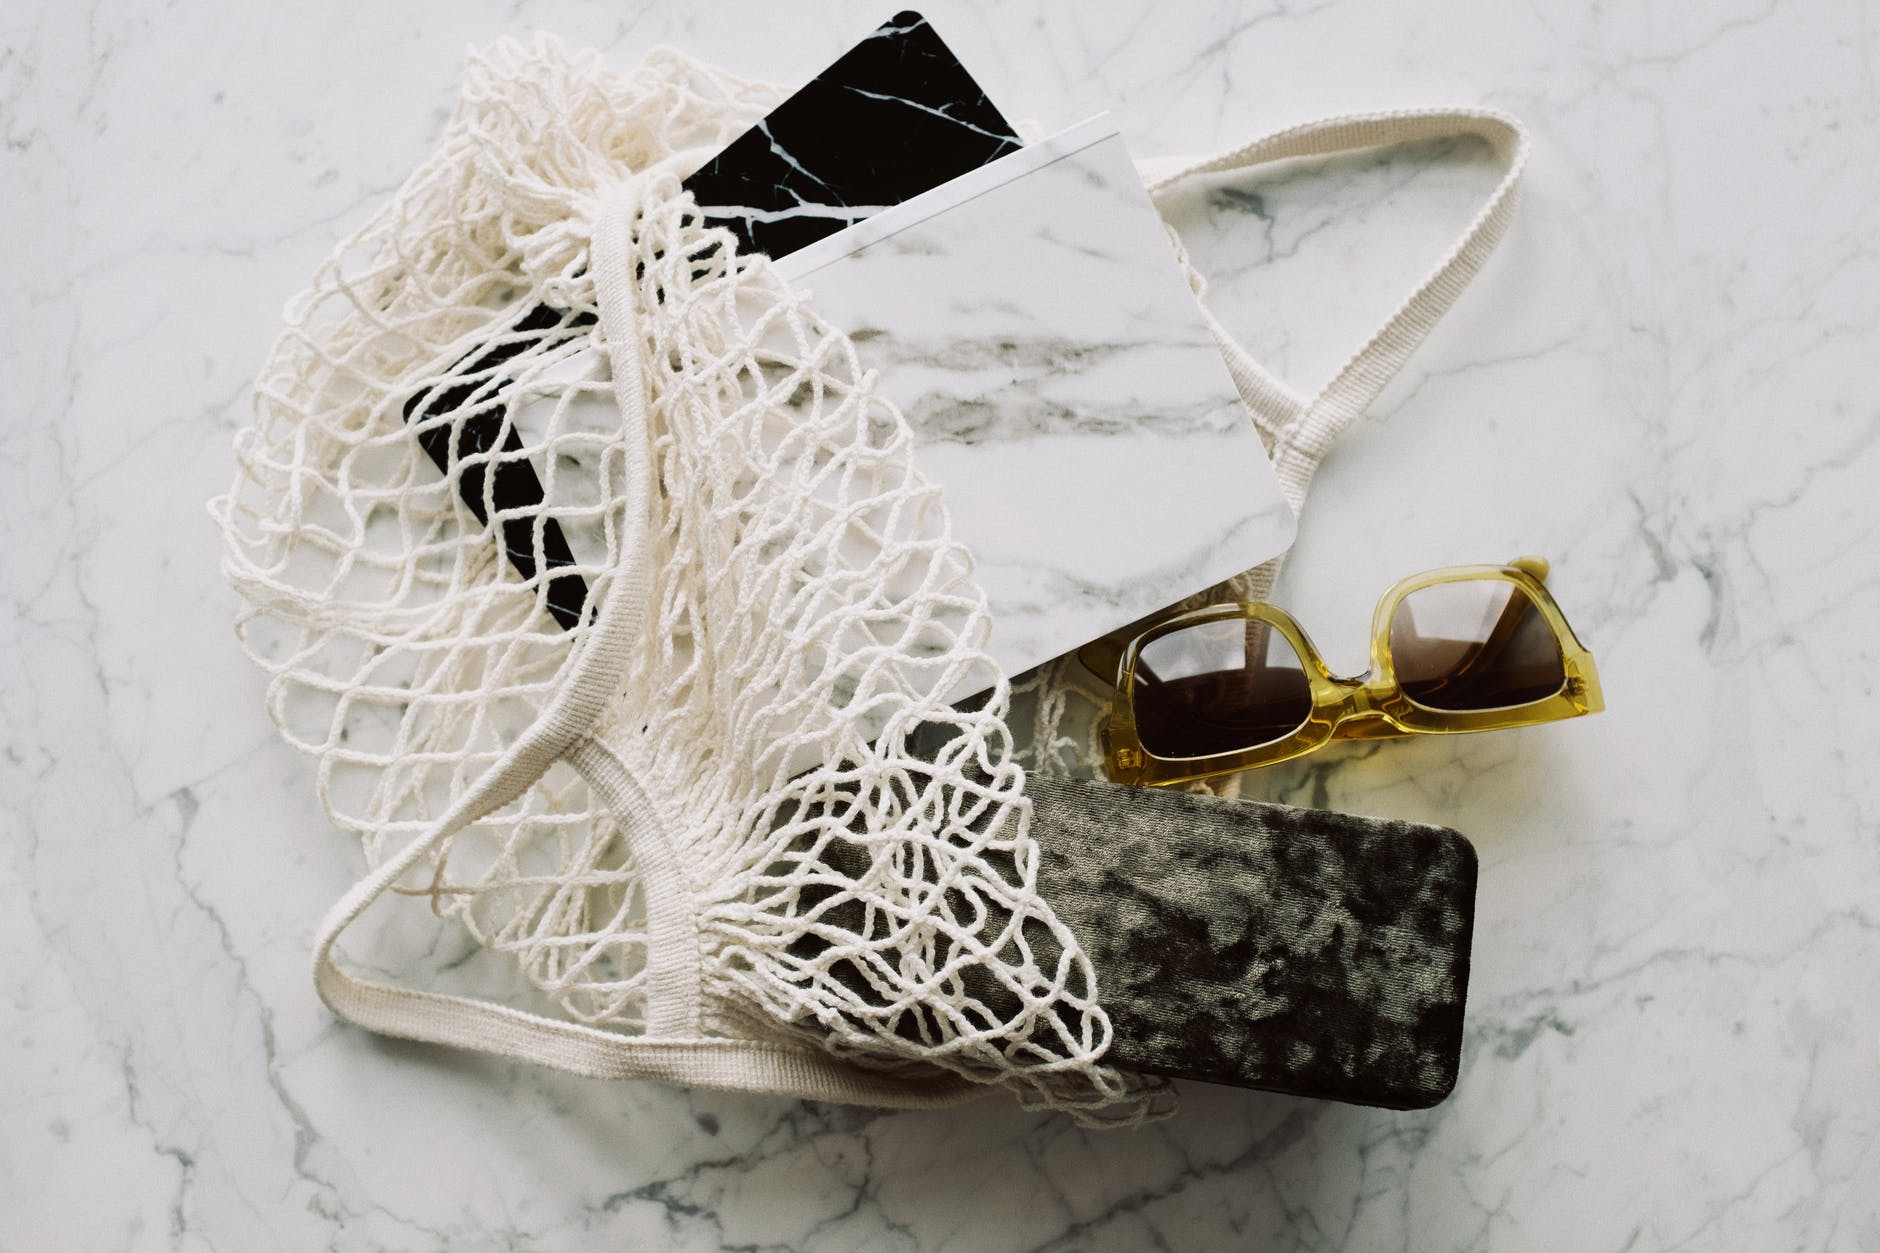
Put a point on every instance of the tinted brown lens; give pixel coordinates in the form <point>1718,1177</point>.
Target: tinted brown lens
<point>1218,688</point>
<point>1476,644</point>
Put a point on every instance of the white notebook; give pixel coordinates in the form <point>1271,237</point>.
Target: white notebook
<point>1030,321</point>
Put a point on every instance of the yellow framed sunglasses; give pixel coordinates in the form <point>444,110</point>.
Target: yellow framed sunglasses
<point>1232,687</point>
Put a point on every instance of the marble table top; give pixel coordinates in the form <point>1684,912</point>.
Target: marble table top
<point>1663,382</point>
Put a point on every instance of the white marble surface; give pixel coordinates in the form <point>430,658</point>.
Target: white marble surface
<point>1664,382</point>
<point>1031,323</point>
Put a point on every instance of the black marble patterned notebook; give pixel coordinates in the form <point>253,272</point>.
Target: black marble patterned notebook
<point>896,116</point>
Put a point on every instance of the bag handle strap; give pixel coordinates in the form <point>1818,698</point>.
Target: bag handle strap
<point>686,1059</point>
<point>1302,430</point>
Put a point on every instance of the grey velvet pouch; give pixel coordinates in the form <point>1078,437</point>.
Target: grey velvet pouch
<point>1295,950</point>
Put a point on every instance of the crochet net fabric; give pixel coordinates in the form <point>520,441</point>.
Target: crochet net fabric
<point>849,851</point>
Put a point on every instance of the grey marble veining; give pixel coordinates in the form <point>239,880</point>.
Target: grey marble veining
<point>1032,325</point>
<point>1663,382</point>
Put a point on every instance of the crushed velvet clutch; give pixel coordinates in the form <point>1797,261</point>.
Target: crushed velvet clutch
<point>1295,950</point>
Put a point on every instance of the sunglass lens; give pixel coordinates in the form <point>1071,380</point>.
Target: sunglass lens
<point>1219,687</point>
<point>1474,644</point>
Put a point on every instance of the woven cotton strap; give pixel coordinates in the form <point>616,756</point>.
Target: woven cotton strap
<point>1301,430</point>
<point>1066,702</point>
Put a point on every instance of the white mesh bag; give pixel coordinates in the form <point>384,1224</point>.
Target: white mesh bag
<point>726,821</point>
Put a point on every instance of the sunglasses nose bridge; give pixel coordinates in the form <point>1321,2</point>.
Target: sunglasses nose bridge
<point>1365,697</point>
<point>1366,711</point>
<point>1364,693</point>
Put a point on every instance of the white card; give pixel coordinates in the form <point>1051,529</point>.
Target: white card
<point>1032,325</point>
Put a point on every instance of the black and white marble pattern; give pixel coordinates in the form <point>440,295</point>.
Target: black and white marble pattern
<point>895,115</point>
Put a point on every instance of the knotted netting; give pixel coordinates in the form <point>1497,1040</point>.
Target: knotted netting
<point>603,588</point>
